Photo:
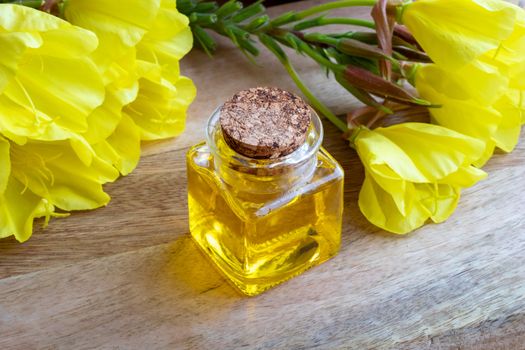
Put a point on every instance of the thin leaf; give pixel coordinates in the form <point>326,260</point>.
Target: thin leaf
<point>379,86</point>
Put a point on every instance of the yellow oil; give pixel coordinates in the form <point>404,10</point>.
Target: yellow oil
<point>259,239</point>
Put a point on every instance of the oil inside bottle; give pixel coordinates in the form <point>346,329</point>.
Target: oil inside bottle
<point>262,229</point>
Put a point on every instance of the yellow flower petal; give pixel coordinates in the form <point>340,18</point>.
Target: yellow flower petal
<point>169,39</point>
<point>32,124</point>
<point>476,82</point>
<point>436,151</point>
<point>385,157</point>
<point>121,78</point>
<point>122,148</point>
<point>46,78</point>
<point>103,121</point>
<point>65,90</point>
<point>23,28</point>
<point>509,57</point>
<point>495,117</point>
<point>68,42</point>
<point>455,32</point>
<point>487,154</point>
<point>465,176</point>
<point>508,133</point>
<point>414,171</point>
<point>53,171</point>
<point>380,209</point>
<point>439,200</point>
<point>5,164</point>
<point>458,110</point>
<point>160,107</point>
<point>518,78</point>
<point>159,36</point>
<point>119,26</point>
<point>121,89</point>
<point>13,46</point>
<point>399,149</point>
<point>388,164</point>
<point>18,209</point>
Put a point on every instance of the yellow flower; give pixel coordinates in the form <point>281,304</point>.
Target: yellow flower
<point>113,136</point>
<point>160,107</point>
<point>509,56</point>
<point>5,163</point>
<point>122,147</point>
<point>53,170</point>
<point>40,175</point>
<point>455,32</point>
<point>18,206</point>
<point>46,77</point>
<point>119,26</point>
<point>49,88</point>
<point>83,102</point>
<point>168,39</point>
<point>164,95</point>
<point>475,100</point>
<point>121,85</point>
<point>18,209</point>
<point>413,172</point>
<point>158,36</point>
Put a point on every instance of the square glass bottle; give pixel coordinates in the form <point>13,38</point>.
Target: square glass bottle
<point>263,221</point>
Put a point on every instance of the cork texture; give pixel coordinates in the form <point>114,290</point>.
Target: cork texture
<point>265,122</point>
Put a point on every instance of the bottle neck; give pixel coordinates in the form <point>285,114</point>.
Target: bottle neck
<point>264,176</point>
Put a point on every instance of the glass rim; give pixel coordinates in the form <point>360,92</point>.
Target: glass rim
<point>287,160</point>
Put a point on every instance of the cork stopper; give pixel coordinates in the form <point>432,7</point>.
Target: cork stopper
<point>265,122</point>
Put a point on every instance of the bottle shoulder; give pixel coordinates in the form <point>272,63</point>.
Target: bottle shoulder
<point>200,156</point>
<point>326,161</point>
<point>247,200</point>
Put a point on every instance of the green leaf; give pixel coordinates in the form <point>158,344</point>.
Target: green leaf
<point>248,12</point>
<point>205,40</point>
<point>228,8</point>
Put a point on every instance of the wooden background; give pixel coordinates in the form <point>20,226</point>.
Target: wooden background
<point>128,276</point>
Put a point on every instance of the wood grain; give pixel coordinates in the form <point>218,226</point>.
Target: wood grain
<point>129,277</point>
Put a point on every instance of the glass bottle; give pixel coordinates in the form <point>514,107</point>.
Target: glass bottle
<point>263,221</point>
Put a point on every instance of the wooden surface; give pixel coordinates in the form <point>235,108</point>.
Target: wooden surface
<point>128,276</point>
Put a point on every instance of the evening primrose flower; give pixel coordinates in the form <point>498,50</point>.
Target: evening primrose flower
<point>122,148</point>
<point>114,137</point>
<point>509,56</point>
<point>47,79</point>
<point>168,39</point>
<point>18,210</point>
<point>18,206</point>
<point>164,95</point>
<point>476,101</point>
<point>160,107</point>
<point>53,170</point>
<point>49,87</point>
<point>413,172</point>
<point>119,26</point>
<point>455,32</point>
<point>148,108</point>
<point>121,88</point>
<point>158,36</point>
<point>39,176</point>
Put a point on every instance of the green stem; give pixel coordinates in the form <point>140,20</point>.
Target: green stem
<point>311,97</point>
<point>321,38</point>
<point>29,3</point>
<point>320,8</point>
<point>336,20</point>
<point>333,5</point>
<point>304,47</point>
